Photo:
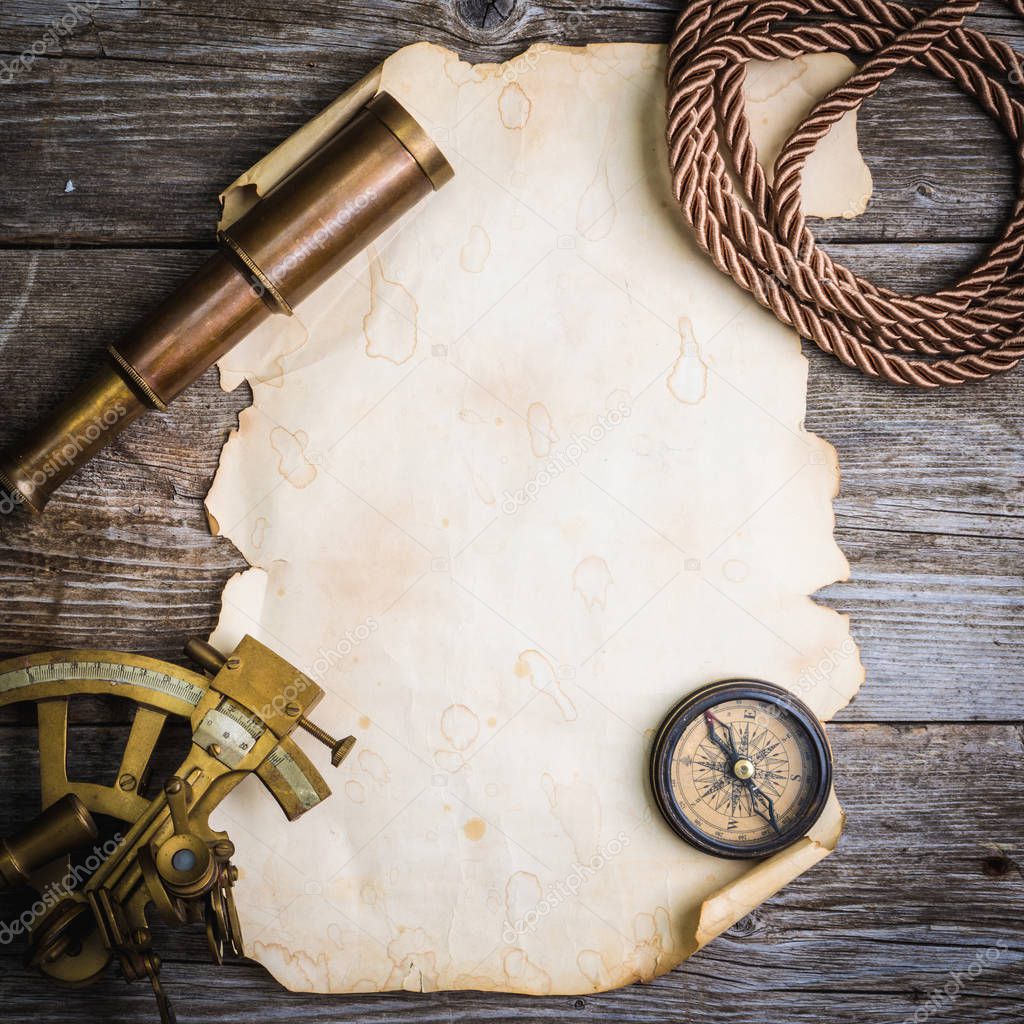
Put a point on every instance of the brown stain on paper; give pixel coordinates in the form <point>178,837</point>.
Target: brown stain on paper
<point>414,960</point>
<point>292,462</point>
<point>391,327</point>
<point>374,765</point>
<point>524,974</point>
<point>460,727</point>
<point>450,760</point>
<point>475,829</point>
<point>514,106</point>
<point>542,430</point>
<point>653,948</point>
<point>653,942</point>
<point>477,250</point>
<point>735,570</point>
<point>593,968</point>
<point>522,893</point>
<point>688,380</point>
<point>591,579</point>
<point>534,666</point>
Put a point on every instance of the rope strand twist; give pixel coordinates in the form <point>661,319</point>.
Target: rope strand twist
<point>966,332</point>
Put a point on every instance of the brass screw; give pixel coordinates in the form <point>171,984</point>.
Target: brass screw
<point>141,936</point>
<point>340,749</point>
<point>743,769</point>
<point>233,663</point>
<point>127,783</point>
<point>224,850</point>
<point>292,710</point>
<point>214,750</point>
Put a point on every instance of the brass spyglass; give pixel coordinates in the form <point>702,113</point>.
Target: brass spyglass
<point>375,169</point>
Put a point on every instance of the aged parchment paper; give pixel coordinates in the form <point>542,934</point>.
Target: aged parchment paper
<point>512,484</point>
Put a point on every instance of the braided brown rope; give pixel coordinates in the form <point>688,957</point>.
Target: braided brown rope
<point>967,332</point>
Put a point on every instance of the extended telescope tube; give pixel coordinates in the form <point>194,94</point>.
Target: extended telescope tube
<point>61,828</point>
<point>378,167</point>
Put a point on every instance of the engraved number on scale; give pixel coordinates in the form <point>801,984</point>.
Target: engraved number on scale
<point>102,671</point>
<point>234,729</point>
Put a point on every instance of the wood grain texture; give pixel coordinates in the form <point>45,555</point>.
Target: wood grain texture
<point>148,110</point>
<point>930,517</point>
<point>860,938</point>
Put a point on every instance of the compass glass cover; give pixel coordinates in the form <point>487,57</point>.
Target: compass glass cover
<point>741,769</point>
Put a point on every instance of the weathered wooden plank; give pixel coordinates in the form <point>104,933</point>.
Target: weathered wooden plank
<point>940,644</point>
<point>127,559</point>
<point>176,99</point>
<point>924,141</point>
<point>204,994</point>
<point>927,881</point>
<point>930,517</point>
<point>148,114</point>
<point>279,35</point>
<point>254,33</point>
<point>944,462</point>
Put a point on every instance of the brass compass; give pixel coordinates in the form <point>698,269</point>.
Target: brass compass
<point>741,769</point>
<point>167,862</point>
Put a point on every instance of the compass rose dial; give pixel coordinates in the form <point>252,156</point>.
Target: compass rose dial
<point>741,769</point>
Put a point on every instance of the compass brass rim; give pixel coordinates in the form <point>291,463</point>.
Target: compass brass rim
<point>706,698</point>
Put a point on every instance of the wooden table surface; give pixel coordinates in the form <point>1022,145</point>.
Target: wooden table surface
<point>113,145</point>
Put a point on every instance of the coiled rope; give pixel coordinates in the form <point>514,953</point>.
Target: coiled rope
<point>963,333</point>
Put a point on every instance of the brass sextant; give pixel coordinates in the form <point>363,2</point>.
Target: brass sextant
<point>242,711</point>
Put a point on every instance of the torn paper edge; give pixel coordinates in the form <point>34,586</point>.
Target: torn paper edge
<point>730,904</point>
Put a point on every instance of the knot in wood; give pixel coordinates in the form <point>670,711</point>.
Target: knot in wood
<point>486,14</point>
